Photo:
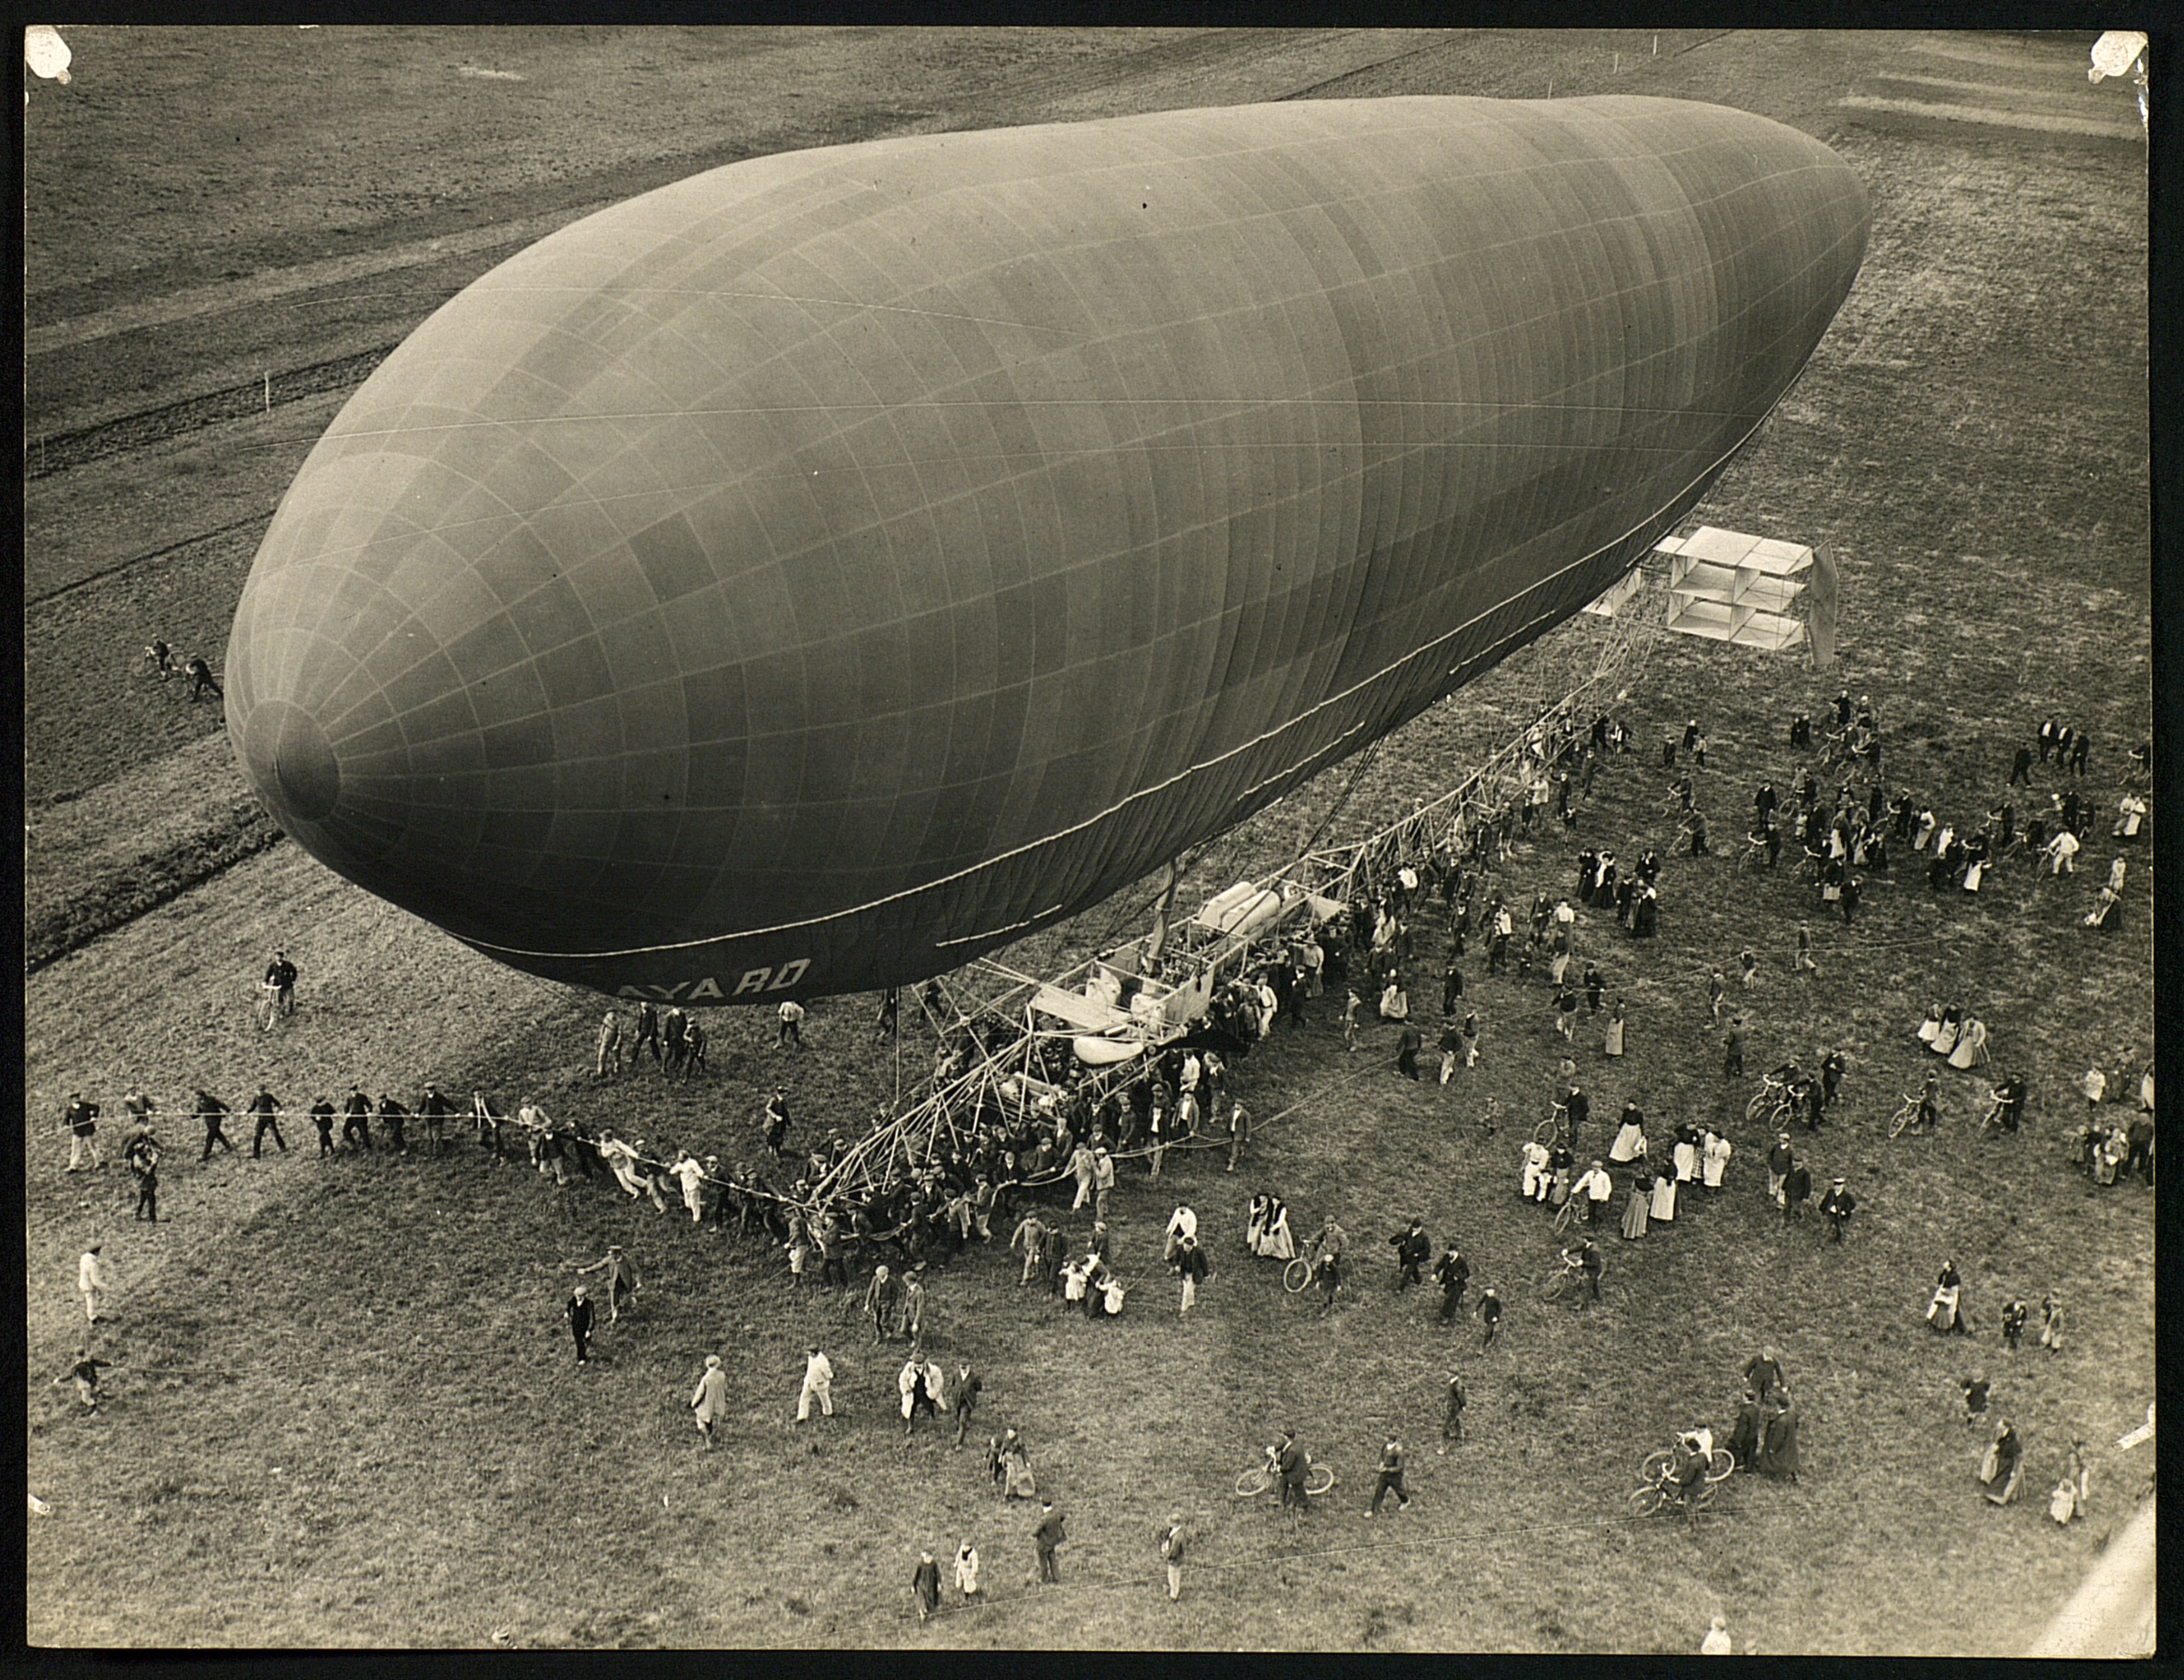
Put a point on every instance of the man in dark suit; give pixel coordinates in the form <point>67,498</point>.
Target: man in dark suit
<point>1050,1534</point>
<point>1292,1461</point>
<point>1797,1189</point>
<point>1412,1248</point>
<point>579,1314</point>
<point>1838,1205</point>
<point>1452,1271</point>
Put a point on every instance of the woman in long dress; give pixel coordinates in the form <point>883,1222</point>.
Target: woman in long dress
<point>1942,1310</point>
<point>1715,1158</point>
<point>1930,1029</point>
<point>1952,1026</point>
<point>1664,1208</point>
<point>1630,1142</point>
<point>1254,1223</point>
<point>1017,1481</point>
<point>1971,1043</point>
<point>1685,1156</point>
<point>1641,1190</point>
<point>1777,1455</point>
<point>1276,1243</point>
<point>1613,1043</point>
<point>2006,1468</point>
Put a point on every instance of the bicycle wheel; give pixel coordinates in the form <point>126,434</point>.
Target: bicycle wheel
<point>1719,1466</point>
<point>1296,1276</point>
<point>1655,1467</point>
<point>1559,1286</point>
<point>1757,1106</point>
<point>1572,1213</point>
<point>1900,1119</point>
<point>1318,1479</point>
<point>1253,1482</point>
<point>1546,1132</point>
<point>1646,1501</point>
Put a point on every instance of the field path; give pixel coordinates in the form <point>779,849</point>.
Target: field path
<point>217,297</point>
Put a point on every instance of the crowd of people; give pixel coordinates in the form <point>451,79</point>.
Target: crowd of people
<point>1034,1163</point>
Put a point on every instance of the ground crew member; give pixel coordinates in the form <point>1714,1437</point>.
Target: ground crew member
<point>266,1108</point>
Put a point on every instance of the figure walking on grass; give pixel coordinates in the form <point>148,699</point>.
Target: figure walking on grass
<point>91,1281</point>
<point>85,1369</point>
<point>1452,1420</point>
<point>1052,1531</point>
<point>710,1402</point>
<point>1390,1479</point>
<point>1174,1539</point>
<point>819,1384</point>
<point>621,1280</point>
<point>578,1312</point>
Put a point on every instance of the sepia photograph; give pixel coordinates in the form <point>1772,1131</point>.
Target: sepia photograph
<point>1134,839</point>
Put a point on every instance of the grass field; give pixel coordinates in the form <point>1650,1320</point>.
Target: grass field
<point>348,1414</point>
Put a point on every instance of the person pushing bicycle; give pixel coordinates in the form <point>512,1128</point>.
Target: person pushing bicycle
<point>1326,1253</point>
<point>1689,1461</point>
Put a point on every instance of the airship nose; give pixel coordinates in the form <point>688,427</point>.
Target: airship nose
<point>288,748</point>
<point>370,699</point>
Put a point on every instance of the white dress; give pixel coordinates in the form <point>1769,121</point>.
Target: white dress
<point>1664,1208</point>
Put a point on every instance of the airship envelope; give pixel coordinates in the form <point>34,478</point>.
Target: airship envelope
<point>804,577</point>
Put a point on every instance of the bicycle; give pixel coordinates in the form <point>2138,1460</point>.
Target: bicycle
<point>1660,1490</point>
<point>1319,1478</point>
<point>1570,1215</point>
<point>1555,1128</point>
<point>1778,1117</point>
<point>1568,1279</point>
<point>1907,1115</point>
<point>268,1008</point>
<point>1774,1097</point>
<point>1754,854</point>
<point>1296,1276</point>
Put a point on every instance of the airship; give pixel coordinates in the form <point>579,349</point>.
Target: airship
<point>810,575</point>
